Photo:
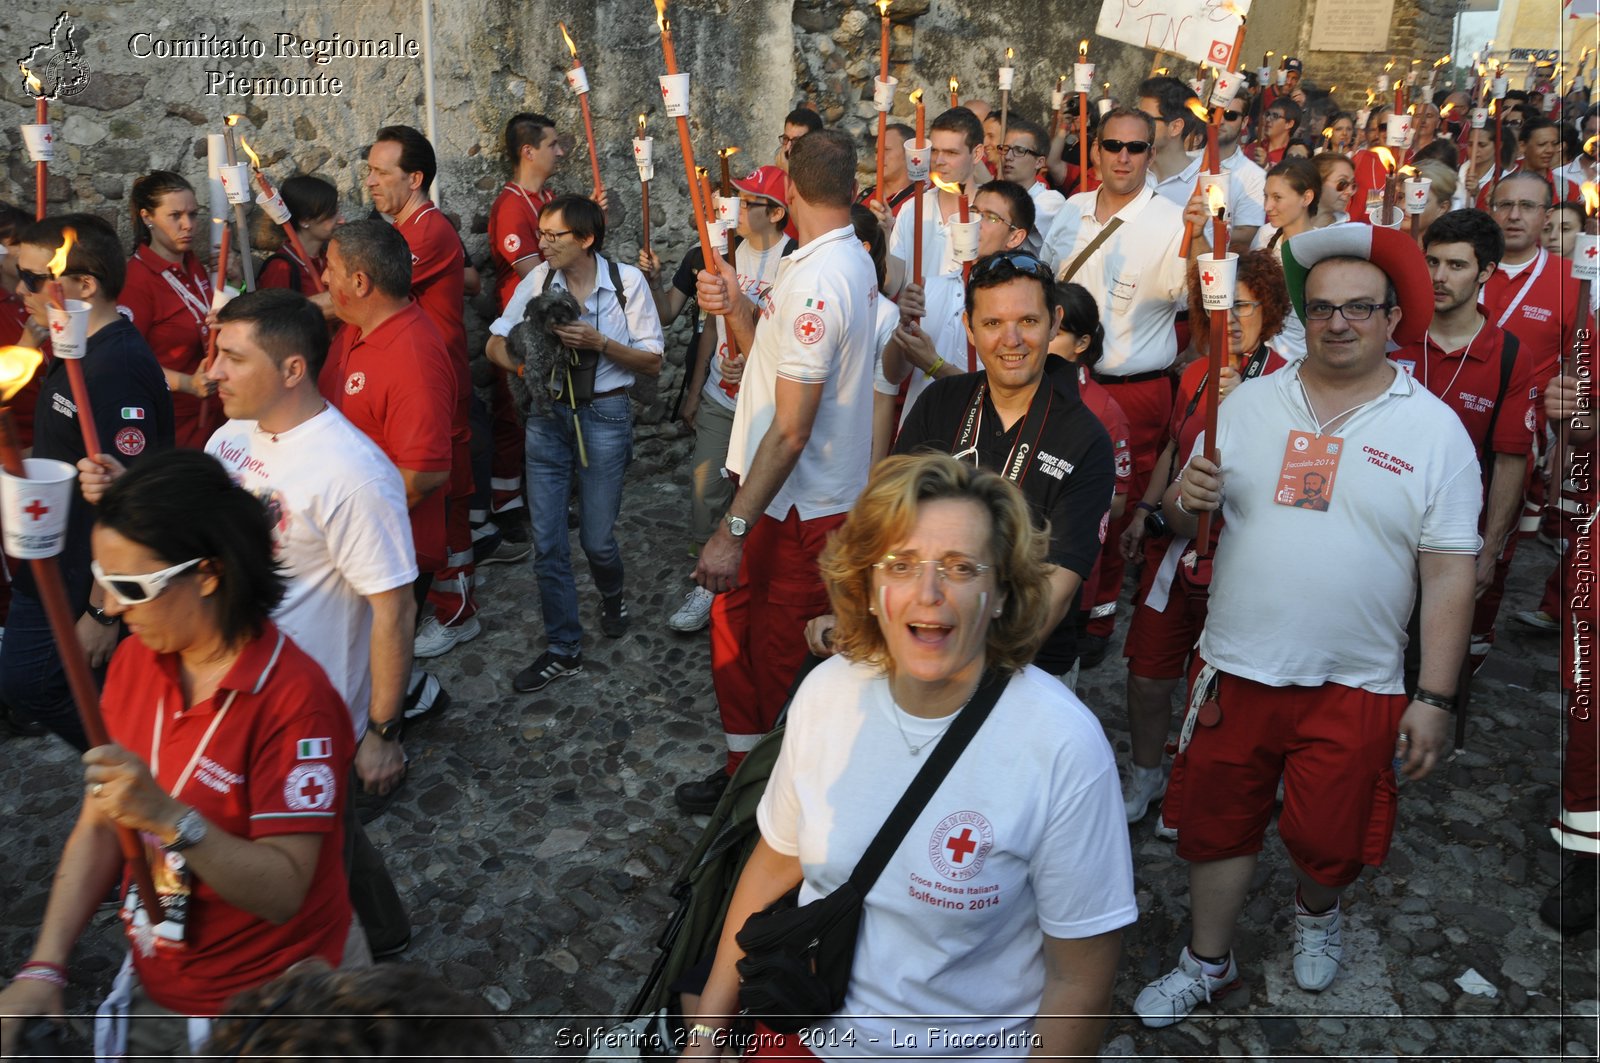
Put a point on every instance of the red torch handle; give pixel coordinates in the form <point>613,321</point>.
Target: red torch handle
<point>588,132</point>
<point>80,398</point>
<point>41,170</point>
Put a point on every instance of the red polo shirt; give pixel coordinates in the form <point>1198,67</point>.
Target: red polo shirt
<point>1468,381</point>
<point>168,303</point>
<point>398,385</point>
<point>275,765</point>
<point>514,234</point>
<point>285,270</point>
<point>1370,176</point>
<point>1561,189</point>
<point>1106,410</point>
<point>1539,306</point>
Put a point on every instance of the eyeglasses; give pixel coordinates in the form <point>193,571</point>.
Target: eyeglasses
<point>991,216</point>
<point>1352,312</point>
<point>952,568</point>
<point>1012,262</point>
<point>1232,116</point>
<point>784,140</point>
<point>137,590</point>
<point>1132,147</point>
<point>1014,150</point>
<point>1341,186</point>
<point>547,235</point>
<point>1245,308</point>
<point>1274,116</point>
<point>1522,206</point>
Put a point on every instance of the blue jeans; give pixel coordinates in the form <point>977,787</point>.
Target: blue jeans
<point>607,425</point>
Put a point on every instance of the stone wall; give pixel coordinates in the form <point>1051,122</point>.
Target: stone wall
<point>1421,29</point>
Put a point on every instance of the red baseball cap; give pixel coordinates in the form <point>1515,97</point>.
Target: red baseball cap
<point>768,182</point>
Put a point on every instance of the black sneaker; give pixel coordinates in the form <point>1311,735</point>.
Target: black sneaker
<point>1570,906</point>
<point>546,670</point>
<point>702,795</point>
<point>1091,650</point>
<point>424,697</point>
<point>614,617</point>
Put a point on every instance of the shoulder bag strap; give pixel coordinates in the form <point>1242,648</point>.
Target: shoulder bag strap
<point>1093,246</point>
<point>1508,364</point>
<point>922,788</point>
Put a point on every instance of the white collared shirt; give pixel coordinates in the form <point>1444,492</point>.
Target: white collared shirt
<point>1244,208</point>
<point>1252,180</point>
<point>819,328</point>
<point>944,297</point>
<point>1136,276</point>
<point>1047,203</point>
<point>638,326</point>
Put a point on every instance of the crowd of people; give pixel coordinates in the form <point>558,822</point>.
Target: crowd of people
<point>944,476</point>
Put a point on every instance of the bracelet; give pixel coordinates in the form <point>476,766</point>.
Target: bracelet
<point>700,1029</point>
<point>1178,501</point>
<point>40,974</point>
<point>1438,701</point>
<point>933,369</point>
<point>56,967</point>
<point>1147,507</point>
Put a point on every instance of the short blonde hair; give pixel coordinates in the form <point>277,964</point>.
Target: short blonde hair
<point>883,516</point>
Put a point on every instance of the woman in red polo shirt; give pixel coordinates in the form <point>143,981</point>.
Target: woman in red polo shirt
<point>228,755</point>
<point>314,207</point>
<point>167,294</point>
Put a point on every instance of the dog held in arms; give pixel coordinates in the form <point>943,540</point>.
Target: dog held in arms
<point>535,346</point>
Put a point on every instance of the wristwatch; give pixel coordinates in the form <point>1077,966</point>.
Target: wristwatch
<point>738,527</point>
<point>388,730</point>
<point>191,830</point>
<point>101,617</point>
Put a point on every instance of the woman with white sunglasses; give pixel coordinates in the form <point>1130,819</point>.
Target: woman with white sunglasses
<point>229,748</point>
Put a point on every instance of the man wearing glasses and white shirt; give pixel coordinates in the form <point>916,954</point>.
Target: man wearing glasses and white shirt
<point>1024,162</point>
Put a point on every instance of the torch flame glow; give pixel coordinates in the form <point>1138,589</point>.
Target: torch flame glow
<point>661,15</point>
<point>1198,109</point>
<point>1216,197</point>
<point>883,8</point>
<point>945,186</point>
<point>34,84</point>
<point>1386,157</point>
<point>1009,54</point>
<point>1441,62</point>
<point>58,261</point>
<point>1270,53</point>
<point>1061,82</point>
<point>255,160</point>
<point>1388,66</point>
<point>916,97</point>
<point>641,126</point>
<point>1591,198</point>
<point>573,48</point>
<point>954,84</point>
<point>233,119</point>
<point>1327,131</point>
<point>17,366</point>
<point>1408,171</point>
<point>731,149</point>
<point>1083,49</point>
<point>1589,145</point>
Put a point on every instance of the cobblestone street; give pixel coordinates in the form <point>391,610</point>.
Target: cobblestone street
<point>535,842</point>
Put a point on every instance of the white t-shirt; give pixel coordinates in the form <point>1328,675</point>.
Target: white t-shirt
<point>1301,597</point>
<point>888,321</point>
<point>1243,207</point>
<point>756,272</point>
<point>1047,203</point>
<point>637,326</point>
<point>943,293</point>
<point>818,330</point>
<point>1136,277</point>
<point>340,529</point>
<point>1252,181</point>
<point>1025,837</point>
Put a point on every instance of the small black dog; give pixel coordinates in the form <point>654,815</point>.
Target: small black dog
<point>534,346</point>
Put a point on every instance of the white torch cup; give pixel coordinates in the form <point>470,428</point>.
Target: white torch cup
<point>728,211</point>
<point>1058,99</point>
<point>69,329</point>
<point>1586,257</point>
<point>964,240</point>
<point>1391,220</point>
<point>917,161</point>
<point>1283,78</point>
<point>1227,87</point>
<point>644,150</point>
<point>273,206</point>
<point>1105,107</point>
<point>1398,133</point>
<point>236,181</point>
<point>883,93</point>
<point>1008,76</point>
<point>1480,118</point>
<point>675,94</point>
<point>1499,87</point>
<point>1383,84</point>
<point>41,142</point>
<point>1417,189</point>
<point>647,172</point>
<point>33,507</point>
<point>1217,281</point>
<point>1262,74</point>
<point>717,229</point>
<point>1083,77</point>
<point>578,80</point>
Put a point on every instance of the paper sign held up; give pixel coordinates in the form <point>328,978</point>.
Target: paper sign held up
<point>1201,31</point>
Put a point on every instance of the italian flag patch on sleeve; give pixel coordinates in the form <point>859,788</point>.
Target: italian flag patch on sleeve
<point>314,748</point>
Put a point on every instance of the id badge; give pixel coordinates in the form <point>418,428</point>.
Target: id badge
<point>174,886</point>
<point>1310,464</point>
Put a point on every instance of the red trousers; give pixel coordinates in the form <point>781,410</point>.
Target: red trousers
<point>505,429</point>
<point>1577,829</point>
<point>1148,404</point>
<point>758,629</point>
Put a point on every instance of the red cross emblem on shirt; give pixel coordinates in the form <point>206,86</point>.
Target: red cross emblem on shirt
<point>312,791</point>
<point>807,327</point>
<point>36,509</point>
<point>962,847</point>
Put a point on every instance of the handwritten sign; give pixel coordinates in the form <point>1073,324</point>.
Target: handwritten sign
<point>1201,31</point>
<point>1352,25</point>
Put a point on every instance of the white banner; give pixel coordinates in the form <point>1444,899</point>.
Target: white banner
<point>1201,31</point>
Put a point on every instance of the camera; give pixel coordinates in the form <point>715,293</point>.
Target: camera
<point>1155,524</point>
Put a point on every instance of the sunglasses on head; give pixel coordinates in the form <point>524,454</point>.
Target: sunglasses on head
<point>139,589</point>
<point>1012,263</point>
<point>1133,147</point>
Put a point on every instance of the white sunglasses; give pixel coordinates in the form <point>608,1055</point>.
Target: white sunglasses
<point>137,590</point>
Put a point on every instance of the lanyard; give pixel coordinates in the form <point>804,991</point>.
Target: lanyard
<point>1533,275</point>
<point>972,427</point>
<point>1249,371</point>
<point>1427,339</point>
<point>205,740</point>
<point>197,305</point>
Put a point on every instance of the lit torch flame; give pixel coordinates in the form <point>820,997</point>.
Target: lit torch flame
<point>573,48</point>
<point>883,8</point>
<point>1061,83</point>
<point>641,126</point>
<point>1591,198</point>
<point>35,86</point>
<point>661,15</point>
<point>731,149</point>
<point>1197,109</point>
<point>916,97</point>
<point>1009,55</point>
<point>1327,132</point>
<point>255,160</point>
<point>1386,157</point>
<point>945,186</point>
<point>1388,66</point>
<point>58,261</point>
<point>1408,171</point>
<point>1217,198</point>
<point>17,366</point>
<point>1083,49</point>
<point>1441,62</point>
<point>1589,145</point>
<point>954,84</point>
<point>233,119</point>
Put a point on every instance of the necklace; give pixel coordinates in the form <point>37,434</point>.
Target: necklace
<point>914,750</point>
<point>1323,426</point>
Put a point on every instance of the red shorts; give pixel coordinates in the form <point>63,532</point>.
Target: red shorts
<point>1158,645</point>
<point>1332,745</point>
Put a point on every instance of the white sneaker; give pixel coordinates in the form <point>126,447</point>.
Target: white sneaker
<point>1164,832</point>
<point>1170,998</point>
<point>1318,947</point>
<point>434,638</point>
<point>695,612</point>
<point>1144,787</point>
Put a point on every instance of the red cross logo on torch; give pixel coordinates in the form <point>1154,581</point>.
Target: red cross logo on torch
<point>36,509</point>
<point>1208,276</point>
<point>1591,251</point>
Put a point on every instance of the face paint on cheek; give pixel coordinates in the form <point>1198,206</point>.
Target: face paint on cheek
<point>883,604</point>
<point>983,603</point>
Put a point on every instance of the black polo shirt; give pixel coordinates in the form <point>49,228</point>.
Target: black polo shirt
<point>1067,473</point>
<point>132,413</point>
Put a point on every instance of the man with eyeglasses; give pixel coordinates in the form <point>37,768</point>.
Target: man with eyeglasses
<point>1247,197</point>
<point>1024,164</point>
<point>1480,372</point>
<point>584,436</point>
<point>1173,170</point>
<point>1121,242</point>
<point>1531,293</point>
<point>132,416</point>
<point>796,124</point>
<point>1307,687</point>
<point>1282,118</point>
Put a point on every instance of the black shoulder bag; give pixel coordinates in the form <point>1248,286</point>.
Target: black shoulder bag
<point>797,960</point>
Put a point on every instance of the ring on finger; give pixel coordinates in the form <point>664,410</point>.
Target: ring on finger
<point>97,789</point>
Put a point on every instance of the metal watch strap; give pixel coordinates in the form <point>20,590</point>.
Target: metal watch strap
<point>191,832</point>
